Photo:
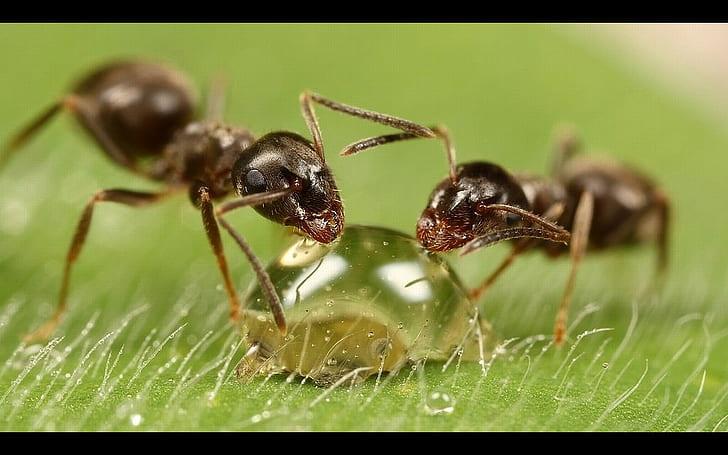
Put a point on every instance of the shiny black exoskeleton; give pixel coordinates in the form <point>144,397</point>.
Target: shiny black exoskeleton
<point>589,203</point>
<point>143,117</point>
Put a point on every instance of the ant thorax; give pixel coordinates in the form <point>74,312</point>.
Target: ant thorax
<point>204,152</point>
<point>373,301</point>
<point>541,192</point>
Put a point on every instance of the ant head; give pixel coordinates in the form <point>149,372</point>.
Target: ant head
<point>283,161</point>
<point>484,202</point>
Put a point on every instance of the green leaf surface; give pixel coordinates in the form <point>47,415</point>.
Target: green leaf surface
<point>146,344</point>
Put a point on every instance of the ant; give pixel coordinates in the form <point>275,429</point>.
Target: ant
<point>600,204</point>
<point>142,116</point>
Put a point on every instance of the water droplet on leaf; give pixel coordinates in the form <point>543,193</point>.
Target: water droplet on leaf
<point>136,419</point>
<point>439,403</point>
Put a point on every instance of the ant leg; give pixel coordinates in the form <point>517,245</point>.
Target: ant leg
<point>309,115</point>
<point>378,117</point>
<point>213,235</point>
<point>566,144</point>
<point>579,242</point>
<point>662,239</point>
<point>441,132</point>
<point>552,214</point>
<point>476,293</point>
<point>126,197</point>
<point>215,108</point>
<point>360,146</point>
<point>28,131</point>
<point>85,116</point>
<point>663,204</point>
<point>263,278</point>
<point>307,99</point>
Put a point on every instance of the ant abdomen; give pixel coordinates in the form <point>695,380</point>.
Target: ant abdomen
<point>139,105</point>
<point>624,200</point>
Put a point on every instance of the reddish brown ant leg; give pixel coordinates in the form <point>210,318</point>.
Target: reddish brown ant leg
<point>126,197</point>
<point>552,214</point>
<point>262,276</point>
<point>213,235</point>
<point>440,132</point>
<point>28,131</point>
<point>309,115</point>
<point>566,144</point>
<point>663,204</point>
<point>360,146</point>
<point>477,292</point>
<point>215,108</point>
<point>579,242</point>
<point>85,117</point>
<point>307,99</point>
<point>373,116</point>
<point>662,207</point>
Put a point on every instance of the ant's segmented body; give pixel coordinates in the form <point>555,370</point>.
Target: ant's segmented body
<point>600,204</point>
<point>142,116</point>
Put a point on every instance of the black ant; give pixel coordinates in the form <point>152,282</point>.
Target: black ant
<point>600,204</point>
<point>142,116</point>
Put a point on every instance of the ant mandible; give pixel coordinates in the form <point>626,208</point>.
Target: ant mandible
<point>600,204</point>
<point>142,116</point>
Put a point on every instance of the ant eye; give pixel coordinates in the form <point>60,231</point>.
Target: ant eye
<point>512,219</point>
<point>255,182</point>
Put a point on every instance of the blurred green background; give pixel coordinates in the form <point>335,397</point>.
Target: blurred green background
<point>501,89</point>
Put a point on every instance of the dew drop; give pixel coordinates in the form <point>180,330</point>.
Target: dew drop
<point>332,362</point>
<point>136,419</point>
<point>370,334</point>
<point>605,365</point>
<point>261,318</point>
<point>439,403</point>
<point>400,325</point>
